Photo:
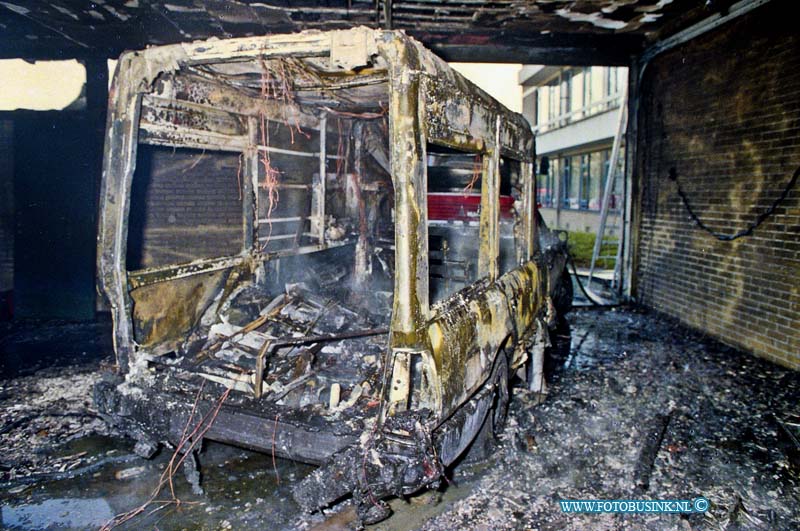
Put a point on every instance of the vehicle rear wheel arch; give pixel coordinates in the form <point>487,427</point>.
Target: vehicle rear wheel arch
<point>505,348</point>
<point>494,418</point>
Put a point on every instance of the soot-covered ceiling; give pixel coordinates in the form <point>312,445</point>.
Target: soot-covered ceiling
<point>528,31</point>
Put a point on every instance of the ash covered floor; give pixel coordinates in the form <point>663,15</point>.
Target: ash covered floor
<point>639,408</point>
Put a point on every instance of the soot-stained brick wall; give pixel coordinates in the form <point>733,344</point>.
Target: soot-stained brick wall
<point>723,113</point>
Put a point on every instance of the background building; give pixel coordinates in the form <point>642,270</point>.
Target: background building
<point>574,113</point>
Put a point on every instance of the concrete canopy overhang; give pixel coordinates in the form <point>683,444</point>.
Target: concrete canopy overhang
<point>539,31</point>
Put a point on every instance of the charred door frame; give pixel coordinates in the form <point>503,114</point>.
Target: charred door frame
<point>430,103</point>
<point>136,72</point>
<point>423,91</point>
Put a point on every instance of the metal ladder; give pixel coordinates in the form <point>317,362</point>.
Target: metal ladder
<point>612,181</point>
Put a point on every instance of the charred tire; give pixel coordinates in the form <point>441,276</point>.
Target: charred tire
<point>562,298</point>
<point>495,420</point>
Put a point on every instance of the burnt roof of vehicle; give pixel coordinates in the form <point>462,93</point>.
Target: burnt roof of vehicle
<point>534,31</point>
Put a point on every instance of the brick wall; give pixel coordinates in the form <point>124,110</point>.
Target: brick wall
<point>723,111</point>
<point>6,206</point>
<point>184,206</point>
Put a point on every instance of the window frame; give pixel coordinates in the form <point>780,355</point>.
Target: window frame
<point>563,168</point>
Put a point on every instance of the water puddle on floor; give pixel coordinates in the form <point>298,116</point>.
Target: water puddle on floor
<point>56,513</point>
<point>243,490</point>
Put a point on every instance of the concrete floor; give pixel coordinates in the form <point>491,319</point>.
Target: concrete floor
<point>639,407</point>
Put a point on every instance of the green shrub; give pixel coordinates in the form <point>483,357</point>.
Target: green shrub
<point>581,245</point>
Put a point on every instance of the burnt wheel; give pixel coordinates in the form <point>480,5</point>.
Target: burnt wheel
<point>562,298</point>
<point>495,420</point>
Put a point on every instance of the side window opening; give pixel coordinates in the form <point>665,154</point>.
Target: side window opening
<point>185,206</point>
<point>510,204</point>
<point>454,201</point>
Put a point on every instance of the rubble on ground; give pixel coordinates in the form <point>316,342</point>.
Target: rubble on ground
<point>41,413</point>
<point>720,423</point>
<point>624,371</point>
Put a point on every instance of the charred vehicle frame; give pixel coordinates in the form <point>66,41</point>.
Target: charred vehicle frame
<point>375,280</point>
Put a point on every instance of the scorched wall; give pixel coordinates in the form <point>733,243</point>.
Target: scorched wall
<point>722,113</point>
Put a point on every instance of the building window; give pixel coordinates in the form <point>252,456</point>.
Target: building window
<point>574,174</point>
<point>578,93</point>
<point>542,107</point>
<point>554,100</point>
<point>597,88</point>
<point>582,177</point>
<point>529,107</point>
<point>594,185</point>
<point>566,97</point>
<point>566,181</point>
<point>546,184</point>
<point>575,94</point>
<point>586,180</point>
<point>586,89</point>
<point>614,81</point>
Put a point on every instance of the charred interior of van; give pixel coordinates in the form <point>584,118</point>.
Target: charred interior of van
<point>323,223</point>
<point>320,246</point>
<point>305,149</point>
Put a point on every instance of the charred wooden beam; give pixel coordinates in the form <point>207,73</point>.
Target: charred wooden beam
<point>647,455</point>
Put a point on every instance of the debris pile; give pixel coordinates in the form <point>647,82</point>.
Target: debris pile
<point>641,408</point>
<point>41,413</point>
<point>729,438</point>
<point>304,347</point>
